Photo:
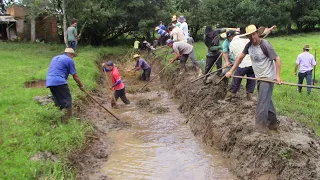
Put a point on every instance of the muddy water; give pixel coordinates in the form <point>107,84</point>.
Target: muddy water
<point>160,146</point>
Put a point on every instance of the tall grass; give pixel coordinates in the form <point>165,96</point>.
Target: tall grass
<point>27,128</point>
<point>287,100</point>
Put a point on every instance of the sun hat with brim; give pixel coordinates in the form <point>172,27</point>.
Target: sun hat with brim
<point>307,47</point>
<point>225,34</point>
<point>174,18</point>
<point>136,56</point>
<point>251,29</point>
<point>70,51</point>
<point>156,28</point>
<point>144,42</point>
<point>182,19</point>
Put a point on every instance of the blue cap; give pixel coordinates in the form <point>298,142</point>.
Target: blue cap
<point>231,33</point>
<point>169,41</point>
<point>109,63</point>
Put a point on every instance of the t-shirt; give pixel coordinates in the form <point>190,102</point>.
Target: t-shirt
<point>177,35</point>
<point>72,32</point>
<point>115,76</point>
<point>142,64</point>
<point>236,47</point>
<point>184,27</point>
<point>161,26</point>
<point>226,49</point>
<point>305,61</point>
<point>60,68</point>
<point>262,65</point>
<point>182,47</point>
<point>162,32</point>
<point>136,44</point>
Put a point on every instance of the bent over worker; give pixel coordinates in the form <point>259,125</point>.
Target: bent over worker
<point>60,68</point>
<point>117,84</point>
<point>142,64</point>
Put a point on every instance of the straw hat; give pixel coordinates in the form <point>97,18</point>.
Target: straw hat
<point>136,56</point>
<point>144,42</point>
<point>70,51</point>
<point>307,47</point>
<point>157,28</point>
<point>174,18</point>
<point>251,29</point>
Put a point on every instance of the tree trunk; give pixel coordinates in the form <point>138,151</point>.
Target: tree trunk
<point>64,23</point>
<point>33,30</point>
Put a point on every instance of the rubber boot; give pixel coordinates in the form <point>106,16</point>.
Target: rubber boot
<point>113,102</point>
<point>199,71</point>
<point>67,115</point>
<point>230,96</point>
<point>250,97</point>
<point>182,68</point>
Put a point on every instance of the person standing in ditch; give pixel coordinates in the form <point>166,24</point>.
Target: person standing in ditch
<point>183,51</point>
<point>266,65</point>
<point>142,64</point>
<point>117,84</point>
<point>60,68</point>
<point>305,62</point>
<point>72,35</point>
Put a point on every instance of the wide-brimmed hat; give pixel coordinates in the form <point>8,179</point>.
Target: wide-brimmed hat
<point>144,42</point>
<point>307,47</point>
<point>229,34</point>
<point>251,29</point>
<point>70,51</point>
<point>156,28</point>
<point>182,19</point>
<point>174,18</point>
<point>136,56</point>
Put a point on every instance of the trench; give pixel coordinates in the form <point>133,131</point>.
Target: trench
<point>159,145</point>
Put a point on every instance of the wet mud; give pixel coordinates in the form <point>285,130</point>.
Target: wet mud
<point>35,84</point>
<point>292,152</point>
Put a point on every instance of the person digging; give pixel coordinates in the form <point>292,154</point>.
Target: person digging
<point>60,68</point>
<point>142,64</point>
<point>305,62</point>
<point>267,65</point>
<point>184,51</point>
<point>117,84</point>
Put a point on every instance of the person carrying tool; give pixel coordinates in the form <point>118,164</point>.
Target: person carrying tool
<point>117,84</point>
<point>142,64</point>
<point>305,62</point>
<point>60,68</point>
<point>211,40</point>
<point>72,35</point>
<point>184,50</point>
<point>266,64</point>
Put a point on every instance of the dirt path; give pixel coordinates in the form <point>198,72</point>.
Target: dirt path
<point>152,141</point>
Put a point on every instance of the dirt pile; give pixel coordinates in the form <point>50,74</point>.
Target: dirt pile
<point>290,153</point>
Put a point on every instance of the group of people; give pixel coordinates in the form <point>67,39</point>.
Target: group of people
<point>245,53</point>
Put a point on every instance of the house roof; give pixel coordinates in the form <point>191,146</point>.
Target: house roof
<point>6,19</point>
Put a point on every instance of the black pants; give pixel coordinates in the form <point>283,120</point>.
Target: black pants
<point>61,95</point>
<point>308,76</point>
<point>211,60</point>
<point>146,74</point>
<point>122,94</point>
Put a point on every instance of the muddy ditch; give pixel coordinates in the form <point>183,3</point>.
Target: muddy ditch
<point>291,153</point>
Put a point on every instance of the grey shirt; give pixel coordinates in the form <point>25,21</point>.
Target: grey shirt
<point>182,47</point>
<point>262,59</point>
<point>72,33</point>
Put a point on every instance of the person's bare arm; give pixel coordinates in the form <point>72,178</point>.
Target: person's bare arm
<point>226,59</point>
<point>177,56</point>
<point>235,65</point>
<point>79,82</point>
<point>278,69</point>
<point>295,69</point>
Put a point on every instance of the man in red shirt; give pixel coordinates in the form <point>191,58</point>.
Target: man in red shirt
<point>117,84</point>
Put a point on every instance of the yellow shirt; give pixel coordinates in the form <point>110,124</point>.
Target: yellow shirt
<point>136,45</point>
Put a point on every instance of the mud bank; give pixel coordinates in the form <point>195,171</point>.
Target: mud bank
<point>290,153</point>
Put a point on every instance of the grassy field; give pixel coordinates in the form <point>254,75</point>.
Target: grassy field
<point>27,128</point>
<point>286,98</point>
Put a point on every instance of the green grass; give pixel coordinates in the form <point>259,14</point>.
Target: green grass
<point>287,100</point>
<point>26,127</point>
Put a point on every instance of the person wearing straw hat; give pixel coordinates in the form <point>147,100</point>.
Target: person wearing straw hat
<point>175,21</point>
<point>142,64</point>
<point>60,68</point>
<point>117,84</point>
<point>305,62</point>
<point>266,64</point>
<point>184,51</point>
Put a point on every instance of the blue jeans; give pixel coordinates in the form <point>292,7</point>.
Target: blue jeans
<point>308,76</point>
<point>72,44</point>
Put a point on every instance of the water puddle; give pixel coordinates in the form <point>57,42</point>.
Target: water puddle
<point>160,146</point>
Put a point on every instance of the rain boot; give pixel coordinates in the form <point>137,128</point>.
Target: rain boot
<point>250,97</point>
<point>67,115</point>
<point>230,96</point>
<point>182,68</point>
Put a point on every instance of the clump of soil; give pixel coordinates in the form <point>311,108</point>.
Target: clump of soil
<point>289,153</point>
<point>35,84</point>
<point>158,109</point>
<point>134,90</point>
<point>143,103</point>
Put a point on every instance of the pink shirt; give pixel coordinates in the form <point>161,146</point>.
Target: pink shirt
<point>115,76</point>
<point>305,61</point>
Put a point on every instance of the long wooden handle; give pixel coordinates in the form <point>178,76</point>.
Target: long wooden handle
<point>267,80</point>
<point>101,105</point>
<point>207,74</point>
<point>154,77</point>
